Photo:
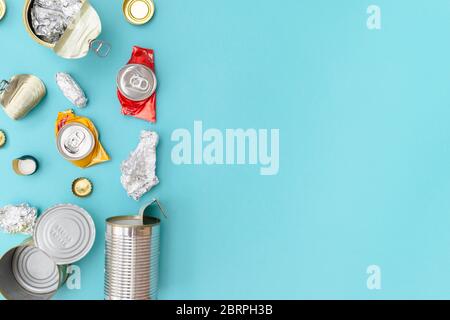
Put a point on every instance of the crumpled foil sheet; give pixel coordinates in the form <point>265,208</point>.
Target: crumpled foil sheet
<point>18,219</point>
<point>138,172</point>
<point>71,89</point>
<point>50,18</point>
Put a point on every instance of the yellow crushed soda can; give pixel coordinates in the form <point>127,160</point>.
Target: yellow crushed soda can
<point>78,141</point>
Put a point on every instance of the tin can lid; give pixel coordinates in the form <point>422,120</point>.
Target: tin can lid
<point>75,141</point>
<point>2,137</point>
<point>25,166</point>
<point>65,232</point>
<point>138,11</point>
<point>35,271</point>
<point>82,187</point>
<point>136,82</point>
<point>2,9</point>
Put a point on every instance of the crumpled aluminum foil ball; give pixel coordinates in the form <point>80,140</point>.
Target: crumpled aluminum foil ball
<point>71,89</point>
<point>139,171</point>
<point>18,219</point>
<point>50,18</point>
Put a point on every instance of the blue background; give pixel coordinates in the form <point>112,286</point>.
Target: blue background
<point>364,135</point>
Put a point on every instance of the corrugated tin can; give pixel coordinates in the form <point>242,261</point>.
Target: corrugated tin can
<point>132,256</point>
<point>79,37</point>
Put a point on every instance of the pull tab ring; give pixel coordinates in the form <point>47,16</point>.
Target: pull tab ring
<point>3,85</point>
<point>144,207</point>
<point>100,48</point>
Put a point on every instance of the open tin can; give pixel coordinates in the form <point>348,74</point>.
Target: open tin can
<point>132,256</point>
<point>35,270</point>
<point>79,37</point>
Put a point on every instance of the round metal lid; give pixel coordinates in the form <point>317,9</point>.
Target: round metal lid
<point>138,11</point>
<point>2,9</point>
<point>35,271</point>
<point>65,232</point>
<point>136,82</point>
<point>75,141</point>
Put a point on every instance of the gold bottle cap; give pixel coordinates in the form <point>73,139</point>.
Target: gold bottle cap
<point>2,137</point>
<point>2,9</point>
<point>82,187</point>
<point>138,11</point>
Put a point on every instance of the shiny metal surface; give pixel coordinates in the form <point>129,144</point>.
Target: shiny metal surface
<point>21,278</point>
<point>65,232</point>
<point>138,11</point>
<point>21,94</point>
<point>75,141</point>
<point>76,41</point>
<point>132,257</point>
<point>136,82</point>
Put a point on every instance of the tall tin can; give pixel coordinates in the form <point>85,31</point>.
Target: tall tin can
<point>132,256</point>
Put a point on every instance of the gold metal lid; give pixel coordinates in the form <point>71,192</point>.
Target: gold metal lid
<point>2,137</point>
<point>2,9</point>
<point>138,11</point>
<point>82,187</point>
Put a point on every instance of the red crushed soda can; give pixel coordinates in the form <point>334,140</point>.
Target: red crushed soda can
<point>136,85</point>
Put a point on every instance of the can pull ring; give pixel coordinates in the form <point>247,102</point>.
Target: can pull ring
<point>144,207</point>
<point>101,48</point>
<point>3,85</point>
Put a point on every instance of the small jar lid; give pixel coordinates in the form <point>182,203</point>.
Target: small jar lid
<point>25,166</point>
<point>138,11</point>
<point>2,9</point>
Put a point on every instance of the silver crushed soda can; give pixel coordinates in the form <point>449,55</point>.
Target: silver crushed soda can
<point>75,141</point>
<point>136,82</point>
<point>132,256</point>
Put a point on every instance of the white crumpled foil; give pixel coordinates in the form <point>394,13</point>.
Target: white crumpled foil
<point>139,171</point>
<point>71,89</point>
<point>18,219</point>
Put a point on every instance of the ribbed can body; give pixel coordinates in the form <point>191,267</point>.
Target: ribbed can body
<point>131,261</point>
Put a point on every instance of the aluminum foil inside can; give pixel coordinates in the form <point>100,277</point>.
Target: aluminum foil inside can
<point>75,141</point>
<point>35,271</point>
<point>136,82</point>
<point>65,232</point>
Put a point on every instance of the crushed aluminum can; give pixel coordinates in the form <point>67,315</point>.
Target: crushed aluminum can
<point>18,219</point>
<point>136,82</point>
<point>75,141</point>
<point>21,94</point>
<point>78,140</point>
<point>71,89</point>
<point>136,85</point>
<point>139,170</point>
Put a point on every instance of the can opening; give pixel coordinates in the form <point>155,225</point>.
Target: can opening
<point>10,287</point>
<point>133,221</point>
